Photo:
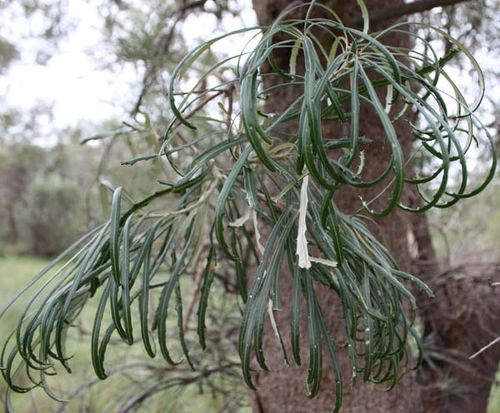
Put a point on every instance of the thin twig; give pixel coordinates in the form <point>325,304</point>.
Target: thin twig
<point>486,347</point>
<point>176,17</point>
<point>194,298</point>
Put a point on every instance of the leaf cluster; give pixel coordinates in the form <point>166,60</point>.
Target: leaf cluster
<point>248,199</point>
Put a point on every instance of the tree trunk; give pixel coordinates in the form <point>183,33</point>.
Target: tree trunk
<point>282,389</point>
<point>12,225</point>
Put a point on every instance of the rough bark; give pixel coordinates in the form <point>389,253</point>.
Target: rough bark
<point>282,390</point>
<point>407,236</point>
<point>463,317</point>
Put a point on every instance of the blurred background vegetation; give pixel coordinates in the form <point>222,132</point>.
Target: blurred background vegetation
<point>56,178</point>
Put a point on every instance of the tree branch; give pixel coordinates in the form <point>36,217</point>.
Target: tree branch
<point>151,67</point>
<point>486,347</point>
<point>418,6</point>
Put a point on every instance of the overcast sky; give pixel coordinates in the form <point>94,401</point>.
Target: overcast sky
<point>77,86</point>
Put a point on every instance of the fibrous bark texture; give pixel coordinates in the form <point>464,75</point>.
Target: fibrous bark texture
<point>282,390</point>
<point>407,236</point>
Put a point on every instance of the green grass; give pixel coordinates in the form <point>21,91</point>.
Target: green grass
<point>494,401</point>
<point>15,272</point>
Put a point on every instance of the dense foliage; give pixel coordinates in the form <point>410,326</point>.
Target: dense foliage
<point>251,192</point>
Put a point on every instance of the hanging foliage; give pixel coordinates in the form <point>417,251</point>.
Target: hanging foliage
<point>251,197</point>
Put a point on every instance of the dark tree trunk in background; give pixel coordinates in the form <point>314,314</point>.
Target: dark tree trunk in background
<point>12,225</point>
<point>406,235</point>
